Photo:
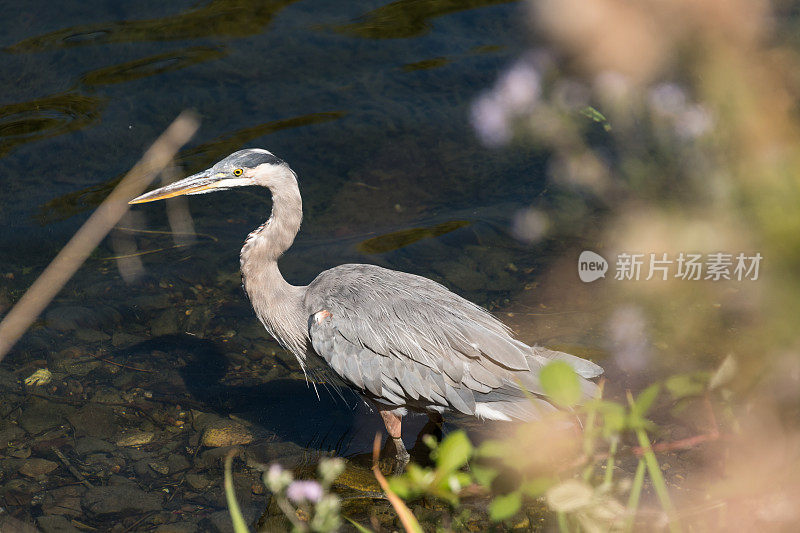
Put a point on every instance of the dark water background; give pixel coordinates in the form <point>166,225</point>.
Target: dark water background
<point>367,101</point>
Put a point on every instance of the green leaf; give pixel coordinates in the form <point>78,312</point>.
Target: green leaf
<point>417,476</point>
<point>400,486</point>
<point>454,452</point>
<point>613,418</point>
<point>494,449</point>
<point>503,507</point>
<point>724,373</point>
<point>685,385</point>
<point>645,399</point>
<point>596,116</point>
<point>560,383</point>
<point>536,487</point>
<point>484,475</point>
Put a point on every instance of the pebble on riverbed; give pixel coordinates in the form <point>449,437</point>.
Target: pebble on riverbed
<point>224,432</point>
<point>36,468</point>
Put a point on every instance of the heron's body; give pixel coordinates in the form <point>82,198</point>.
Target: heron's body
<point>401,341</point>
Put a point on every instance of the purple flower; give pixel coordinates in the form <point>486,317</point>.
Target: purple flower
<point>490,120</point>
<point>519,88</point>
<point>300,491</point>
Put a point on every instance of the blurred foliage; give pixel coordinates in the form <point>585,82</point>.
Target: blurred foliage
<point>572,470</point>
<point>308,505</point>
<point>549,459</point>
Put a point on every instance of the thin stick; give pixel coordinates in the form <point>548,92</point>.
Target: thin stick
<point>72,256</point>
<point>121,365</point>
<point>407,518</point>
<point>72,469</point>
<point>681,444</point>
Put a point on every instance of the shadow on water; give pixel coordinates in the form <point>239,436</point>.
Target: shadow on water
<point>152,65</point>
<point>398,239</point>
<point>218,18</point>
<point>321,418</point>
<point>289,408</point>
<point>39,119</point>
<point>199,157</point>
<point>407,18</point>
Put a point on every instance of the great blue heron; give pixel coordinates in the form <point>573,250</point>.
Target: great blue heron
<point>401,341</point>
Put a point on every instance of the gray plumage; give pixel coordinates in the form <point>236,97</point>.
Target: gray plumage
<point>400,340</point>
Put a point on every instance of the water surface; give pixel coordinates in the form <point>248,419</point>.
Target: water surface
<point>367,101</point>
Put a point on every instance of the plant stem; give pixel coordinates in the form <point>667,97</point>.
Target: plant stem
<point>609,475</point>
<point>237,519</point>
<point>636,491</point>
<point>657,478</point>
<point>588,433</point>
<point>563,527</point>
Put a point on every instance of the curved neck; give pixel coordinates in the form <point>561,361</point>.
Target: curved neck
<point>276,235</point>
<point>278,304</point>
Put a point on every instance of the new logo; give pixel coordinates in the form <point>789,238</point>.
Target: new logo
<point>591,266</point>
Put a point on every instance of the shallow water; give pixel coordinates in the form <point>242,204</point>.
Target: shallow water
<point>367,101</point>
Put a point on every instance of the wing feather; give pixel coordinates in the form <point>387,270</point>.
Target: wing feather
<point>406,339</point>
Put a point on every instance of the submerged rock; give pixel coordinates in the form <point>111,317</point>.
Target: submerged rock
<point>288,454</point>
<point>8,523</point>
<point>71,317</point>
<point>36,467</point>
<point>91,335</point>
<point>213,458</point>
<point>177,463</point>
<point>41,415</point>
<point>73,361</point>
<point>9,434</point>
<point>95,421</point>
<point>198,481</point>
<point>64,500</point>
<point>120,499</point>
<point>224,432</point>
<point>358,479</point>
<point>178,527</point>
<point>135,438</point>
<point>56,524</point>
<point>166,323</point>
<point>87,445</point>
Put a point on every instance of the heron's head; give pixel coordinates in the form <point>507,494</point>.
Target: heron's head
<point>253,166</point>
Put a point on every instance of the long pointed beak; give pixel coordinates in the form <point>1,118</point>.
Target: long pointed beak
<point>195,184</point>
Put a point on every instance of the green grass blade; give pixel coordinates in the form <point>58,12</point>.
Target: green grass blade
<point>636,492</point>
<point>659,485</point>
<point>609,476</point>
<point>562,522</point>
<point>359,527</point>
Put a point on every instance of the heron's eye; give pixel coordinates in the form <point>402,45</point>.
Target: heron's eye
<point>238,172</point>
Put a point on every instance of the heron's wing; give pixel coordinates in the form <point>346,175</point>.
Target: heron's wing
<point>421,341</point>
<point>386,379</point>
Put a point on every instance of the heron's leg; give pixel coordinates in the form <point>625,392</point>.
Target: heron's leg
<point>393,425</point>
